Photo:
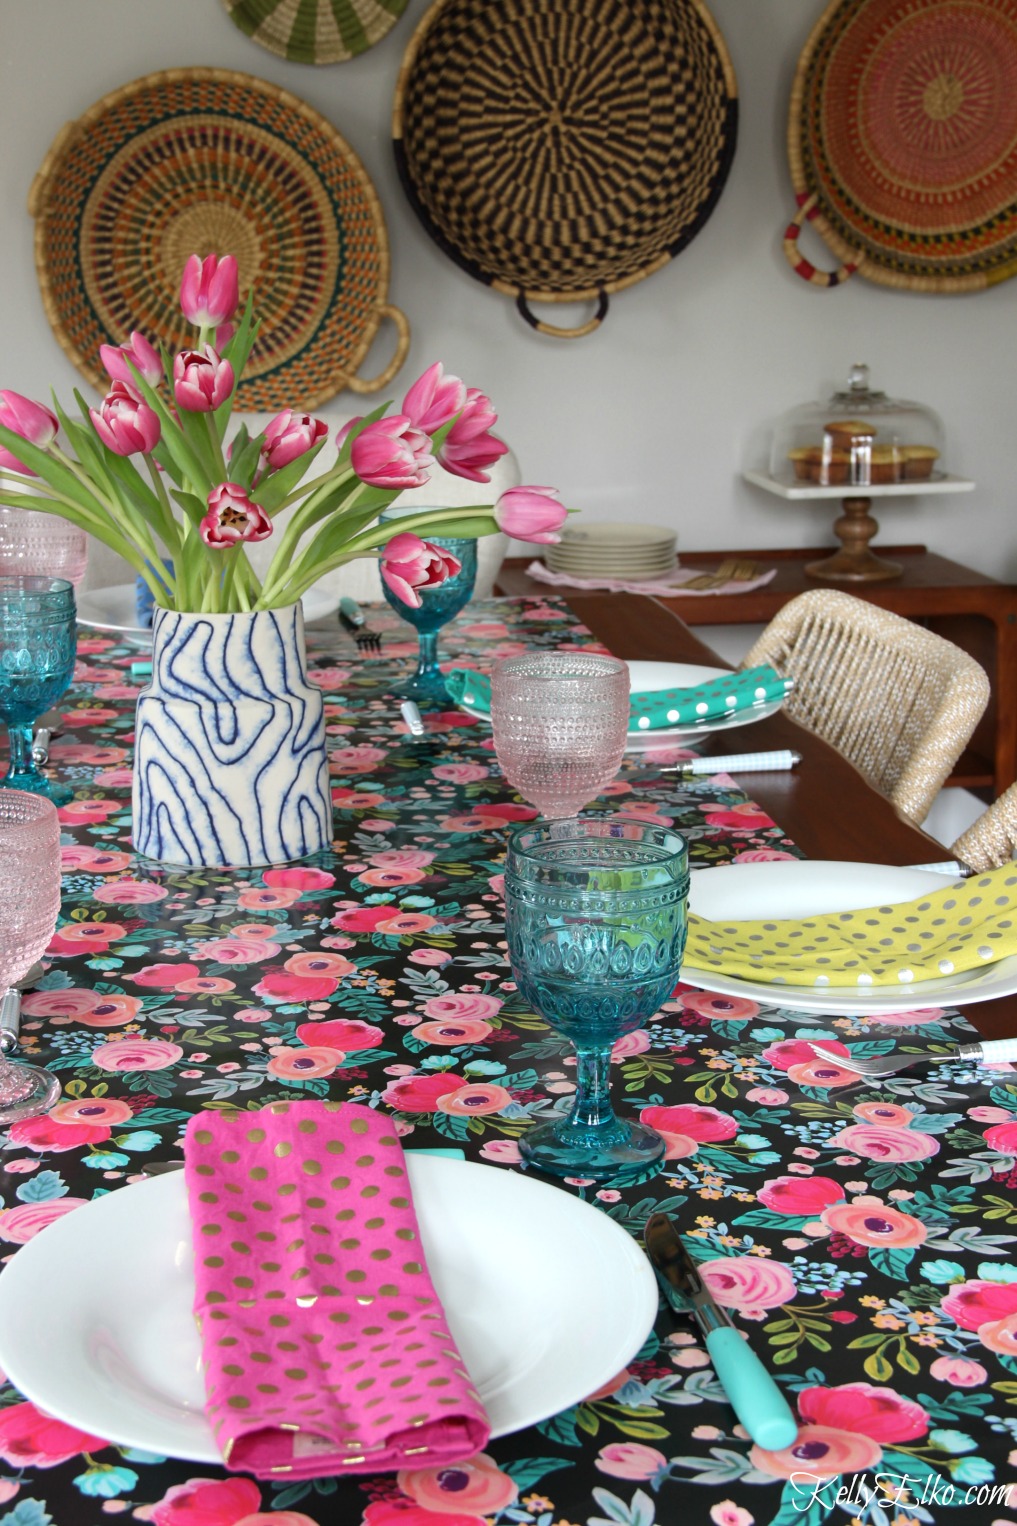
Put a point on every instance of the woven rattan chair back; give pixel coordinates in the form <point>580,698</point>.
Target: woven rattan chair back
<point>992,840</point>
<point>897,701</point>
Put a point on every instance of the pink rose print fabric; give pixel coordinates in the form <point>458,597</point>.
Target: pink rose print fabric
<point>325,1348</point>
<point>863,1235</point>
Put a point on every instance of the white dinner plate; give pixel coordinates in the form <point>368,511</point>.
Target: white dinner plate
<point>546,1296</point>
<point>616,533</point>
<point>640,574</point>
<point>807,887</point>
<point>646,677</point>
<point>112,610</point>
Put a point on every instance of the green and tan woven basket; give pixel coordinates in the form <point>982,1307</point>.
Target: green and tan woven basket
<point>315,31</point>
<point>561,150</point>
<point>201,160</point>
<point>902,142</point>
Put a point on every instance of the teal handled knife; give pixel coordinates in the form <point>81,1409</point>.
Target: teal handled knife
<point>755,1397</point>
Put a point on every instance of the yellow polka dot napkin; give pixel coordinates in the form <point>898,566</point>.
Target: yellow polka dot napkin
<point>325,1349</point>
<point>952,930</point>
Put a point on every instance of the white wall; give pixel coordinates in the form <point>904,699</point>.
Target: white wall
<point>651,415</point>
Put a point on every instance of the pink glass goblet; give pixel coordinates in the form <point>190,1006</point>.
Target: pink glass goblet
<point>560,722</point>
<point>32,542</point>
<point>29,907</point>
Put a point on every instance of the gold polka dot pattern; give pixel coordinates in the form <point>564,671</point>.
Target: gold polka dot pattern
<point>961,927</point>
<point>330,1351</point>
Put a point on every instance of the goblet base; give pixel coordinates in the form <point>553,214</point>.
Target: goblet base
<point>427,689</point>
<point>618,1153</point>
<point>38,784</point>
<point>26,1091</point>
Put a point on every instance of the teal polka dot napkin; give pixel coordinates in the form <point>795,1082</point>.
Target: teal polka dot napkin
<point>704,704</point>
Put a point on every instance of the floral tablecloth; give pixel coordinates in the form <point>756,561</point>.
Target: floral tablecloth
<point>862,1237</point>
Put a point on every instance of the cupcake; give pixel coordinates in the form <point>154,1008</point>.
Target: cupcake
<point>845,433</point>
<point>828,468</point>
<point>805,461</point>
<point>886,463</point>
<point>919,461</point>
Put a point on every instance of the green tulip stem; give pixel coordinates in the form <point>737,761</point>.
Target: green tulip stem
<point>75,514</point>
<point>310,513</point>
<point>216,446</point>
<point>138,525</point>
<point>334,477</point>
<point>170,527</point>
<point>473,523</point>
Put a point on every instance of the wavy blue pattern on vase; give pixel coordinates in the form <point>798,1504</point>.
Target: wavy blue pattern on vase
<point>229,764</point>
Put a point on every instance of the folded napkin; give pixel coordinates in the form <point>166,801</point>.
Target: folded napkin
<point>682,581</point>
<point>705,704</point>
<point>961,927</point>
<point>324,1347</point>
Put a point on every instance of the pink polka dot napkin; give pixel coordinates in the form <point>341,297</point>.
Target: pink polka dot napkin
<point>324,1346</point>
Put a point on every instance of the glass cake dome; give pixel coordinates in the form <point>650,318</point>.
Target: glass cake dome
<point>858,438</point>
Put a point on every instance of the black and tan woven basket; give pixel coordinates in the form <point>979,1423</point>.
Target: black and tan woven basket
<point>561,150</point>
<point>902,143</point>
<point>207,160</point>
<point>315,31</point>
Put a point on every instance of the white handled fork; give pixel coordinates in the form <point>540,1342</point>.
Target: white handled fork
<point>892,1064</point>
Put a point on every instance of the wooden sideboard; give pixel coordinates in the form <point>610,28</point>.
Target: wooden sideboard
<point>976,612</point>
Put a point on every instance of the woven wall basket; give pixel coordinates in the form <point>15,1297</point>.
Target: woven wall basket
<point>199,160</point>
<point>315,31</point>
<point>902,141</point>
<point>561,150</point>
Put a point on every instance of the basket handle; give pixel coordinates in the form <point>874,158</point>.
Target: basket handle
<point>807,209</point>
<point>38,191</point>
<point>560,333</point>
<point>359,383</point>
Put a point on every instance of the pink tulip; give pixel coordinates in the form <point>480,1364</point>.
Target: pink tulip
<point>232,517</point>
<point>124,424</point>
<point>409,563</point>
<point>209,291</point>
<point>118,358</point>
<point>434,399</point>
<point>31,421</point>
<point>201,381</point>
<point>469,449</point>
<point>291,435</point>
<point>392,453</point>
<point>531,513</point>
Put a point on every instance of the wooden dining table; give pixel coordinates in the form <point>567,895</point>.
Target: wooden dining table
<point>824,804</point>
<point>859,1234</point>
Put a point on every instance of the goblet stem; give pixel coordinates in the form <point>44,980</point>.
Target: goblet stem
<point>590,1140</point>
<point>428,680</point>
<point>591,1109</point>
<point>25,1090</point>
<point>22,772</point>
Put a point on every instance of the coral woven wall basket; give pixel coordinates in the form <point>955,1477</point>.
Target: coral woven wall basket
<point>198,160</point>
<point>561,150</point>
<point>902,142</point>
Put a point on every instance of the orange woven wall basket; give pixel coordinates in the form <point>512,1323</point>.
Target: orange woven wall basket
<point>902,143</point>
<point>208,160</point>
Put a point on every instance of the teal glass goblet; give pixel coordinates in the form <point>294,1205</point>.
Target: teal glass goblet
<point>438,605</point>
<point>38,645</point>
<point>595,916</point>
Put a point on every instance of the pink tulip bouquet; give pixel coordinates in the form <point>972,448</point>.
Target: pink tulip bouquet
<point>150,472</point>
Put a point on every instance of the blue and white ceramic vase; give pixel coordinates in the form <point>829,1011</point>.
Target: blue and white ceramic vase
<point>229,753</point>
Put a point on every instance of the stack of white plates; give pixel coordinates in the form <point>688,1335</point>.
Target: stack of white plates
<point>613,550</point>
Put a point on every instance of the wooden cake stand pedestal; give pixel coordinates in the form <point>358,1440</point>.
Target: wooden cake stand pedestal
<point>856,562</point>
